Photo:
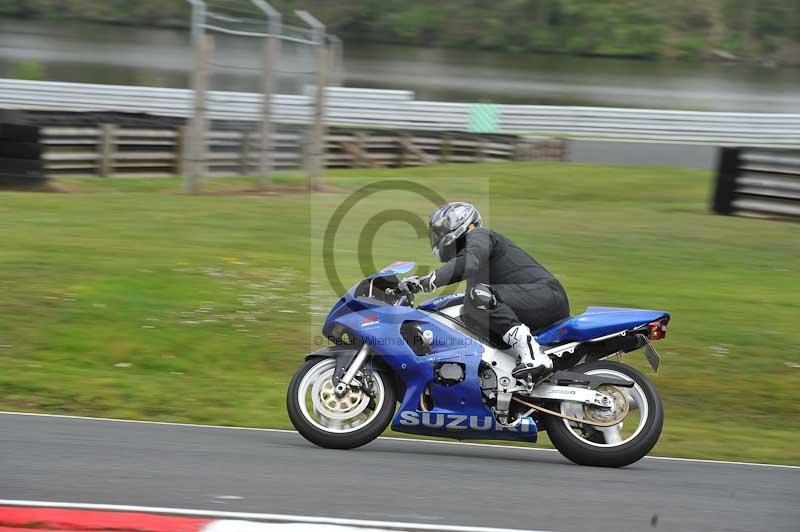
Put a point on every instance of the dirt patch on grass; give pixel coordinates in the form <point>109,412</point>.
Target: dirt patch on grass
<point>253,190</point>
<point>51,187</point>
<point>213,189</point>
<point>64,188</point>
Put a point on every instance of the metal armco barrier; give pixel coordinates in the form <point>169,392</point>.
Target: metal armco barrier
<point>758,182</point>
<point>398,109</point>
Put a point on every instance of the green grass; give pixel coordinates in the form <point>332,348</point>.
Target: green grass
<point>127,299</point>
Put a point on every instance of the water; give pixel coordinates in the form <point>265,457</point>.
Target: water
<point>93,53</point>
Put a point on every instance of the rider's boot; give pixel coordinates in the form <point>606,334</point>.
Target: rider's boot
<point>531,359</point>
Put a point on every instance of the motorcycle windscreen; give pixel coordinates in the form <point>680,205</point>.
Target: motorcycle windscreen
<point>396,268</point>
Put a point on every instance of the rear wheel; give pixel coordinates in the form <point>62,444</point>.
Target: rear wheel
<point>345,422</point>
<point>618,445</point>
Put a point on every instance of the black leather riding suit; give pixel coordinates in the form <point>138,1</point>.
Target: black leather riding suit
<point>525,292</point>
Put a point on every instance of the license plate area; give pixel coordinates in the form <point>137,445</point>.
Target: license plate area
<point>651,354</point>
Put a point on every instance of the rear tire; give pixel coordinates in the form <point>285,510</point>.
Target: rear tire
<point>587,451</point>
<point>339,437</point>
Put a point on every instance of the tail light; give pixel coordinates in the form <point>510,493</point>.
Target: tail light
<point>658,329</point>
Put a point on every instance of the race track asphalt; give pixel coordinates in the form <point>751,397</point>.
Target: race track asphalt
<point>97,461</point>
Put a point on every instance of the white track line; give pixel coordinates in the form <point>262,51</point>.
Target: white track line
<point>276,518</point>
<point>392,438</point>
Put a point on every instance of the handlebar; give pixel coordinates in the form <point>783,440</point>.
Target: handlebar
<point>397,292</point>
<point>404,297</point>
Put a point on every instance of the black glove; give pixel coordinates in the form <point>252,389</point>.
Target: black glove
<point>415,283</point>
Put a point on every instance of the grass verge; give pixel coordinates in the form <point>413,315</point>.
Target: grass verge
<point>124,298</point>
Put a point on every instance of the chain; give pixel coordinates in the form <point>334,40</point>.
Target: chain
<point>575,419</point>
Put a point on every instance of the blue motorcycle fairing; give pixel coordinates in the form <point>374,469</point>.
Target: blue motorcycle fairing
<point>597,322</point>
<point>345,306</point>
<point>463,426</point>
<point>333,351</point>
<point>351,303</point>
<point>442,302</point>
<point>459,410</point>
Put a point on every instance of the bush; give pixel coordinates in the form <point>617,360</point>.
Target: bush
<point>690,47</point>
<point>28,69</point>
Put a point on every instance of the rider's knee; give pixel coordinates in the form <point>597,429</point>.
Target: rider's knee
<point>482,297</point>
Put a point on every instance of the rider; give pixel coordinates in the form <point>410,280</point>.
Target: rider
<point>507,290</point>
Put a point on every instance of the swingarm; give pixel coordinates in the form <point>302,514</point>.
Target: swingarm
<point>571,393</point>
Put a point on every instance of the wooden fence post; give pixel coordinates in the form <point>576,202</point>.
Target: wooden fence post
<point>180,150</point>
<point>564,153</point>
<point>480,154</point>
<point>401,148</point>
<point>244,157</point>
<point>407,147</point>
<point>361,141</point>
<point>444,155</point>
<point>106,150</point>
<point>522,150</point>
<point>198,125</point>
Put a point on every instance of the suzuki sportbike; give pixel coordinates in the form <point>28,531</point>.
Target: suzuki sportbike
<point>451,382</point>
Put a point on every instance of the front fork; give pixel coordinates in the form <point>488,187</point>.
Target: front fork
<point>352,369</point>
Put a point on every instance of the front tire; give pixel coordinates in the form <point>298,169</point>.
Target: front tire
<point>611,447</point>
<point>332,422</point>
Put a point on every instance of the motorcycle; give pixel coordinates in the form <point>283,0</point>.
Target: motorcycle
<point>450,382</point>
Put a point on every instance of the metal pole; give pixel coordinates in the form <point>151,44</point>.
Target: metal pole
<point>198,19</point>
<point>190,153</point>
<point>199,125</point>
<point>272,46</point>
<point>318,132</point>
<point>269,11</point>
<point>336,61</point>
<point>272,53</point>
<point>106,150</point>
<point>316,161</point>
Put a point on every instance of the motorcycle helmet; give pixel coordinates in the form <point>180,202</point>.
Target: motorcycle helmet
<point>448,224</point>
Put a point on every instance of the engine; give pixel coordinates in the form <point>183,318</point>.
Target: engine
<point>449,373</point>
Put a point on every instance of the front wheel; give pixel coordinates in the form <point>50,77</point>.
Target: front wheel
<point>621,444</point>
<point>345,422</point>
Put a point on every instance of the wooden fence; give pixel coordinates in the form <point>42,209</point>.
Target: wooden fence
<point>109,150</point>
